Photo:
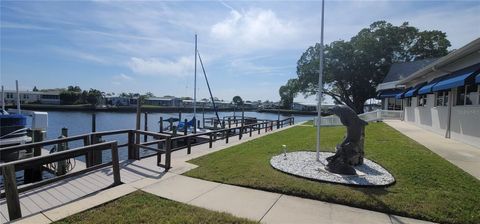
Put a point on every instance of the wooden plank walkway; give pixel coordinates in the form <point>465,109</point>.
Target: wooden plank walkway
<point>72,189</point>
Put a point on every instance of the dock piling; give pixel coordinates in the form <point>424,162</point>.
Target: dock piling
<point>11,192</point>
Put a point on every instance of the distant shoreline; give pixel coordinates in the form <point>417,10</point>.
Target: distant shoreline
<point>149,108</point>
<point>121,109</point>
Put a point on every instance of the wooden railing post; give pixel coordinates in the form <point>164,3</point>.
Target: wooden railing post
<point>185,127</point>
<point>240,134</point>
<point>131,145</point>
<point>251,126</point>
<point>278,124</point>
<point>35,173</point>
<point>95,155</point>
<point>115,164</point>
<point>189,145</point>
<point>229,124</point>
<point>161,124</point>
<point>259,127</point>
<point>227,134</point>
<point>210,140</point>
<point>11,192</point>
<point>168,150</point>
<point>145,126</point>
<point>266,126</point>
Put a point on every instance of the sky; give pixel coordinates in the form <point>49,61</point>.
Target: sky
<point>249,48</point>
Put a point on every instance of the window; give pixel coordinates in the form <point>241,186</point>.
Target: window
<point>25,96</point>
<point>466,95</point>
<point>10,95</point>
<point>422,100</point>
<point>441,98</point>
<point>408,101</point>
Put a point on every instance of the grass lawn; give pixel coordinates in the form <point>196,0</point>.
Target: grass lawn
<point>427,186</point>
<point>141,207</point>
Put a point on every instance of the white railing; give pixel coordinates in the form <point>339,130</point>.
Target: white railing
<point>371,116</point>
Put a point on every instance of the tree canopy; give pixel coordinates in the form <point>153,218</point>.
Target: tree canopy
<point>237,100</point>
<point>354,68</point>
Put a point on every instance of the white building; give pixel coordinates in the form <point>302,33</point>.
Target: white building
<point>304,106</point>
<point>29,97</point>
<point>163,101</point>
<point>443,96</point>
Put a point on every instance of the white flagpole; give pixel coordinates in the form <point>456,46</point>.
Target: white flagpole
<point>195,90</point>
<point>320,85</point>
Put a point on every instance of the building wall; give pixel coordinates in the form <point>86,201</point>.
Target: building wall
<point>465,120</point>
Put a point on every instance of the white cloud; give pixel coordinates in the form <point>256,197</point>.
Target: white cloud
<point>9,25</point>
<point>253,29</point>
<point>81,55</point>
<point>122,78</point>
<point>162,67</point>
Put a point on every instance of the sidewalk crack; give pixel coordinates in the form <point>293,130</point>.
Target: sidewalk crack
<point>274,203</point>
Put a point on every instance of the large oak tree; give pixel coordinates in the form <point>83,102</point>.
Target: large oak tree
<point>354,68</point>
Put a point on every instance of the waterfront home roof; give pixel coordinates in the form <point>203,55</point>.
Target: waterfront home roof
<point>160,98</point>
<point>400,71</point>
<point>306,103</point>
<point>471,51</point>
<point>33,92</point>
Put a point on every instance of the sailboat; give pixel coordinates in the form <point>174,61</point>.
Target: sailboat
<point>191,125</point>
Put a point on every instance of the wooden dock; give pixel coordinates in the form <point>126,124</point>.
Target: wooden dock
<point>72,189</point>
<point>90,178</point>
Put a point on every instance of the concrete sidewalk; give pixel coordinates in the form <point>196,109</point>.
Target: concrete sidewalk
<point>262,206</point>
<point>464,156</point>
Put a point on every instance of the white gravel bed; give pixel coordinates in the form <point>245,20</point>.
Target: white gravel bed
<point>304,164</point>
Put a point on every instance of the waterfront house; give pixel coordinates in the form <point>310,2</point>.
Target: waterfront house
<point>444,96</point>
<point>29,97</point>
<point>163,101</point>
<point>304,106</point>
<point>117,100</point>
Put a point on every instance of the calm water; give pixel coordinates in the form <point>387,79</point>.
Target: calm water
<point>80,123</point>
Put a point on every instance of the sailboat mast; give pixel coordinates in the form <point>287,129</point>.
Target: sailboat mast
<point>195,87</point>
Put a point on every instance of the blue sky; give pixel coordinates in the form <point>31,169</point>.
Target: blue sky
<point>249,48</point>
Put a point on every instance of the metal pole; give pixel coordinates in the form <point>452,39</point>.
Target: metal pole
<point>320,84</point>
<point>195,89</point>
<point>18,97</point>
<point>3,100</point>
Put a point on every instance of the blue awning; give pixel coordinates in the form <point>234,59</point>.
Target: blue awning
<point>428,88</point>
<point>413,91</point>
<point>477,80</point>
<point>455,80</point>
<point>389,93</point>
<point>402,94</point>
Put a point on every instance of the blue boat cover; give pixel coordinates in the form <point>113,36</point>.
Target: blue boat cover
<point>453,81</point>
<point>389,93</point>
<point>477,80</point>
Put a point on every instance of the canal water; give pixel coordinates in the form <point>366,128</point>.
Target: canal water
<point>80,123</point>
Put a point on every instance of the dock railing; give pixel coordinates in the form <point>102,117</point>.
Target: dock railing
<point>371,116</point>
<point>11,191</point>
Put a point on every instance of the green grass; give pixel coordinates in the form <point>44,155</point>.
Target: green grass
<point>427,186</point>
<point>141,207</point>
